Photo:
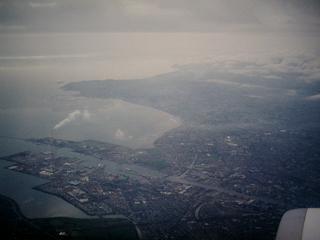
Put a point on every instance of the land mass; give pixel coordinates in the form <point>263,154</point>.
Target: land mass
<point>246,152</point>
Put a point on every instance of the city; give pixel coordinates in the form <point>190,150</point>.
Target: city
<point>206,186</point>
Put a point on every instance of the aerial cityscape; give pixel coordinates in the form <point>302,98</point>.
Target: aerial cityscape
<point>157,120</point>
<point>215,176</point>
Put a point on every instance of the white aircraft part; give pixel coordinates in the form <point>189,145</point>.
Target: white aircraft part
<point>300,224</point>
<point>311,230</point>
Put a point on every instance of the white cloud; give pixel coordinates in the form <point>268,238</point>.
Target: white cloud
<point>121,135</point>
<point>315,97</point>
<point>73,116</point>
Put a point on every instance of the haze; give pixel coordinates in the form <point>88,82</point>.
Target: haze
<point>199,115</point>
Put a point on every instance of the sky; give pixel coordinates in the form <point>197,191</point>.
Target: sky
<point>280,29</point>
<point>159,16</point>
<point>283,45</point>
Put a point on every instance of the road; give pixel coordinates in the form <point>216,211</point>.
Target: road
<point>178,179</point>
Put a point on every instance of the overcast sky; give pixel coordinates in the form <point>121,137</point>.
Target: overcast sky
<point>159,15</point>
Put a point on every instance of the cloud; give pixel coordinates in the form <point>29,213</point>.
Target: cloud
<point>42,4</point>
<point>145,9</point>
<point>162,15</point>
<point>86,115</point>
<point>315,97</point>
<point>47,57</point>
<point>120,135</point>
<point>73,116</point>
<point>296,67</point>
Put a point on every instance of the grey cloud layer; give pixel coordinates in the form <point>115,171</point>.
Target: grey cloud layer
<point>304,68</point>
<point>159,15</point>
